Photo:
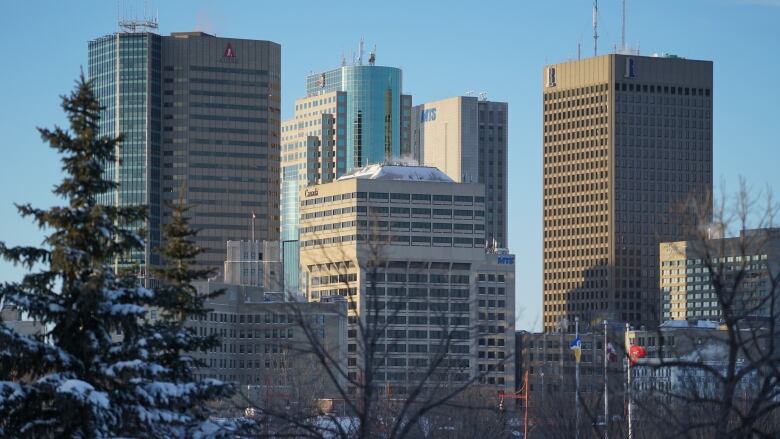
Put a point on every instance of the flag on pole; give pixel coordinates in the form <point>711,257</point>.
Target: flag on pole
<point>635,353</point>
<point>611,353</point>
<point>576,347</point>
<point>253,215</point>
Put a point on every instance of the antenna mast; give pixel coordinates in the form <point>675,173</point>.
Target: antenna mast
<point>595,27</point>
<point>623,27</point>
<point>146,23</point>
<point>360,54</point>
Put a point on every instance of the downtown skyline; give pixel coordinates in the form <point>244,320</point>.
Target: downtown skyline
<point>509,70</point>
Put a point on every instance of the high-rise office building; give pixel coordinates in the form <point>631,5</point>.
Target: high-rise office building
<point>405,246</point>
<point>351,116</point>
<point>467,139</point>
<point>627,139</point>
<point>200,120</point>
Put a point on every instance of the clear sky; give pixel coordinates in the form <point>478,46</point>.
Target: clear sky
<point>445,48</point>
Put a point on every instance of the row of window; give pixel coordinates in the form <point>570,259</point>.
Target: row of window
<point>378,211</point>
<point>396,198</point>
<point>396,225</point>
<point>436,241</point>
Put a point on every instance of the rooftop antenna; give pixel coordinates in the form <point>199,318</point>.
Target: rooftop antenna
<point>135,24</point>
<point>372,56</point>
<point>595,27</point>
<point>343,60</point>
<point>623,27</point>
<point>579,43</point>
<point>360,50</point>
<point>483,96</point>
<point>469,93</point>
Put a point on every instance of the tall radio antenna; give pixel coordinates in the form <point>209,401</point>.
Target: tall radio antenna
<point>623,27</point>
<point>360,52</point>
<point>595,27</point>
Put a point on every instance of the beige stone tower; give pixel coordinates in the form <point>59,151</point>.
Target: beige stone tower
<point>627,139</point>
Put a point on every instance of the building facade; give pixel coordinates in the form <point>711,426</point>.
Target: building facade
<point>263,343</point>
<point>467,138</point>
<point>350,117</point>
<point>627,139</point>
<point>14,320</point>
<point>254,263</point>
<point>200,120</point>
<point>687,267</point>
<point>697,355</point>
<point>550,365</point>
<point>126,74</point>
<point>404,245</point>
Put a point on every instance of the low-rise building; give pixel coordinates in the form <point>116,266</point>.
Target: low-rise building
<point>254,263</point>
<point>265,345</point>
<point>13,319</point>
<point>742,266</point>
<point>683,357</point>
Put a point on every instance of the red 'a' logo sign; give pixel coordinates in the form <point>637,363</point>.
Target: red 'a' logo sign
<point>229,52</point>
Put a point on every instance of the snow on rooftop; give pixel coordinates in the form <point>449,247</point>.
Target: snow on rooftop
<point>398,172</point>
<point>705,324</point>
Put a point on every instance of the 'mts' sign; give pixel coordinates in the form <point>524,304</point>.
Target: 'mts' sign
<point>428,115</point>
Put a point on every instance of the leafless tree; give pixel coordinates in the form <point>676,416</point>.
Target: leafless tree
<point>727,383</point>
<point>440,397</point>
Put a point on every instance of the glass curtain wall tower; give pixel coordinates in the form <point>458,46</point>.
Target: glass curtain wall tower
<point>199,116</point>
<point>351,116</point>
<point>125,72</point>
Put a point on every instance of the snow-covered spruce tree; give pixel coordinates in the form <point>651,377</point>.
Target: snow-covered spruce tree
<point>75,380</point>
<point>171,341</point>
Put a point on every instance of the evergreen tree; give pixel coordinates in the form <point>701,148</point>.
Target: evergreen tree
<point>172,341</point>
<point>76,380</point>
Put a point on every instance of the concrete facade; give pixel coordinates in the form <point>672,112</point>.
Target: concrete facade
<point>263,345</point>
<point>687,267</point>
<point>626,140</point>
<point>467,139</point>
<point>406,243</point>
<point>254,263</point>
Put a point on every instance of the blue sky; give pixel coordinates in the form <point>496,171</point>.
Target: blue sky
<point>444,47</point>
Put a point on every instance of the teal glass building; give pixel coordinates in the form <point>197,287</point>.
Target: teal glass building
<point>351,116</point>
<point>374,99</point>
<point>125,72</point>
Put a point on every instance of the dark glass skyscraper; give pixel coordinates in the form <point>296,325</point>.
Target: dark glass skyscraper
<point>125,72</point>
<point>200,120</point>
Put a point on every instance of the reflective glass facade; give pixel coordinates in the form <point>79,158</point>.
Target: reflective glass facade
<point>373,125</point>
<point>289,232</point>
<point>373,114</point>
<point>200,120</point>
<point>351,116</point>
<point>125,70</point>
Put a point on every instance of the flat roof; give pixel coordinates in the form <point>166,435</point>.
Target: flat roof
<point>398,172</point>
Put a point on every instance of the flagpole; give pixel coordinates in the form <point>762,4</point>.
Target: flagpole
<point>606,386</point>
<point>628,391</point>
<point>577,379</point>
